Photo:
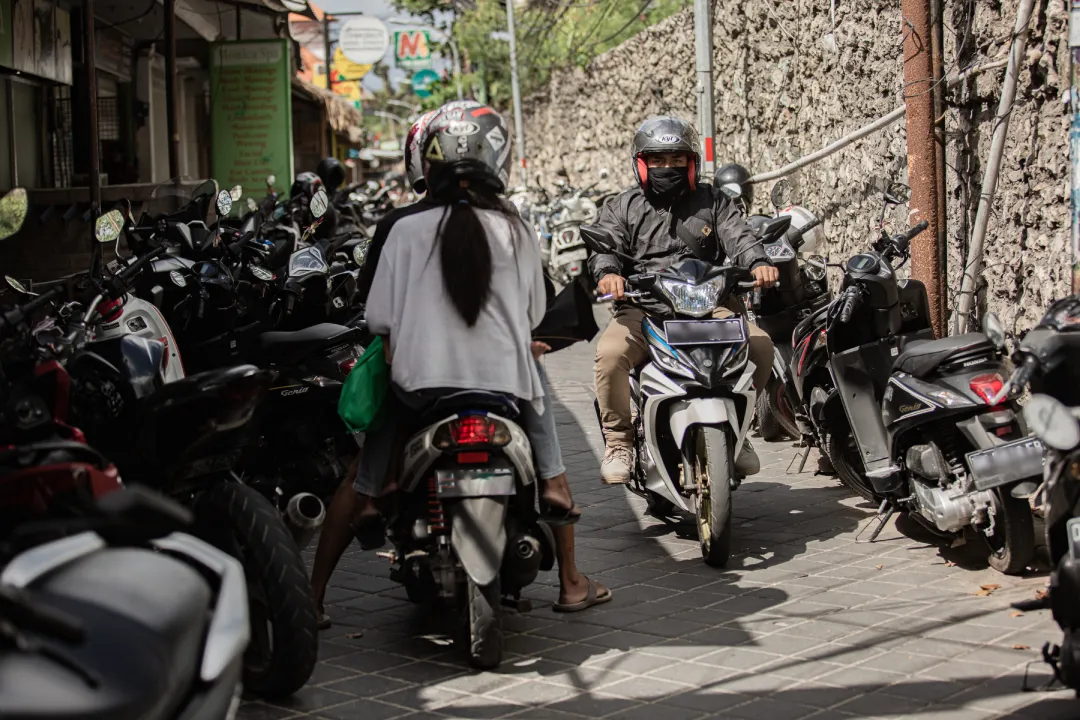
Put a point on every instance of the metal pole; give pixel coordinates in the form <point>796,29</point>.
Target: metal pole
<point>1074,138</point>
<point>703,47</point>
<point>993,165</point>
<point>922,152</point>
<point>239,30</point>
<point>329,80</point>
<point>518,123</point>
<point>9,93</point>
<point>937,54</point>
<point>170,88</point>
<point>457,66</point>
<point>90,65</point>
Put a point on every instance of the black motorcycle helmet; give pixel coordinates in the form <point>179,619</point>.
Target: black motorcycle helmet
<point>332,173</point>
<point>664,134</point>
<point>734,181</point>
<point>463,143</point>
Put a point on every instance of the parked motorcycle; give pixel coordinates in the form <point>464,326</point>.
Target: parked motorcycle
<point>1046,363</point>
<point>801,291</point>
<point>693,404</point>
<point>906,410</point>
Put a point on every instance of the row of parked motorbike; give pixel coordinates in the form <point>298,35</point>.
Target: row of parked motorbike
<point>170,437</point>
<point>936,429</point>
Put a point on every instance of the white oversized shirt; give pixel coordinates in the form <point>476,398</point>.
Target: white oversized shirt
<point>431,345</point>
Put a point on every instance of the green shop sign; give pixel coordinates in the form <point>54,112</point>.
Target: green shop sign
<point>251,114</point>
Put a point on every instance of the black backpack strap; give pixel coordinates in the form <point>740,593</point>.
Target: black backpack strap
<point>695,225</point>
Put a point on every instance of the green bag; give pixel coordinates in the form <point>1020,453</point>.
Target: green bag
<point>363,396</point>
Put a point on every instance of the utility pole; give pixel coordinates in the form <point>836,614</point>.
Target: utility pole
<point>170,88</point>
<point>703,47</point>
<point>1074,138</point>
<point>329,80</point>
<point>518,123</point>
<point>917,28</point>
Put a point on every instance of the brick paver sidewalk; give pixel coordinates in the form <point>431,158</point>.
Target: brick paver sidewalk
<point>804,623</point>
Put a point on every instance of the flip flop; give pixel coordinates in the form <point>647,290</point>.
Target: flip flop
<point>557,516</point>
<point>591,599</point>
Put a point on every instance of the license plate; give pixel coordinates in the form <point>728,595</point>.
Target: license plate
<point>483,482</point>
<point>705,332</point>
<point>572,256</point>
<point>1073,529</point>
<point>996,466</point>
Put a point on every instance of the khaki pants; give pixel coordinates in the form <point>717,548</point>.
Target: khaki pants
<point>622,348</point>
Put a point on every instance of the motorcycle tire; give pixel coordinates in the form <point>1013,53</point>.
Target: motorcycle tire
<point>714,467</point>
<point>284,643</point>
<point>773,423</point>
<point>843,456</point>
<point>1062,503</point>
<point>484,624</point>
<point>1013,545</point>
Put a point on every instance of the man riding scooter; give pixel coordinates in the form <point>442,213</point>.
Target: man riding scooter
<point>668,218</point>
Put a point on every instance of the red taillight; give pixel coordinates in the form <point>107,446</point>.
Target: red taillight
<point>346,366</point>
<point>473,430</point>
<point>987,386</point>
<point>472,458</point>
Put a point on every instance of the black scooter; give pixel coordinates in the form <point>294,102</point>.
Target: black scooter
<point>905,412</point>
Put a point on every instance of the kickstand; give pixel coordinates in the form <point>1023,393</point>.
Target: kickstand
<point>802,456</point>
<point>1050,654</point>
<point>882,518</point>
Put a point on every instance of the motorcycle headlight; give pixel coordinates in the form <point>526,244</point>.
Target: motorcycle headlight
<point>359,253</point>
<point>692,300</point>
<point>306,262</point>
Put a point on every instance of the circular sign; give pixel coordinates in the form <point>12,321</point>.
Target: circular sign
<point>422,80</point>
<point>364,40</point>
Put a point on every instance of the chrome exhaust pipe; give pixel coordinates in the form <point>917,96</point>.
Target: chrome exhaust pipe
<point>304,514</point>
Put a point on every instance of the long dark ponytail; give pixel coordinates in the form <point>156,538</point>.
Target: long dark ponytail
<point>465,251</point>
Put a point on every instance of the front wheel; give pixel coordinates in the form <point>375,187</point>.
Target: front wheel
<point>284,643</point>
<point>843,453</point>
<point>1012,545</point>
<point>713,467</point>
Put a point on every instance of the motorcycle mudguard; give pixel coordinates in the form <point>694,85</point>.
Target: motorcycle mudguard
<point>703,411</point>
<point>478,536</point>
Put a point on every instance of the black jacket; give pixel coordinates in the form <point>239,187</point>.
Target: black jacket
<point>382,232</point>
<point>650,236</point>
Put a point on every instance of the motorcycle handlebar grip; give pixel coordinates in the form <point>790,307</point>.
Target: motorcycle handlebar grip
<point>808,226</point>
<point>849,307</point>
<point>906,238</point>
<point>136,267</point>
<point>290,301</point>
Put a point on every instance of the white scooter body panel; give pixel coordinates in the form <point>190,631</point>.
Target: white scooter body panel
<point>141,318</point>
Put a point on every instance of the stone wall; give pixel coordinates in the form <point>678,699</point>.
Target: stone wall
<point>787,83</point>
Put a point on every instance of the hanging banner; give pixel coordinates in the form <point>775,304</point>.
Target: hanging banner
<point>251,114</point>
<point>364,40</point>
<point>412,49</point>
<point>346,70</point>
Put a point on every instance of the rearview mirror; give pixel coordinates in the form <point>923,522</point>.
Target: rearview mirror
<point>1052,422</point>
<point>252,206</point>
<point>270,180</point>
<point>994,331</point>
<point>17,286</point>
<point>236,192</point>
<point>319,203</point>
<point>782,193</point>
<point>598,239</point>
<point>224,203</point>
<point>13,209</point>
<point>897,193</point>
<point>108,227</point>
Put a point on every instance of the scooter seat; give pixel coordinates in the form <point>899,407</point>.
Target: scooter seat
<point>145,619</point>
<point>922,358</point>
<point>288,348</point>
<point>476,400</point>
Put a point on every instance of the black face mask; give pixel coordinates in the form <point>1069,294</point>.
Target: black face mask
<point>668,184</point>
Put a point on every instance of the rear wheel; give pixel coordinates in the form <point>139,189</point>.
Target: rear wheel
<point>713,469</point>
<point>484,618</point>
<point>284,628</point>
<point>843,454</point>
<point>1012,546</point>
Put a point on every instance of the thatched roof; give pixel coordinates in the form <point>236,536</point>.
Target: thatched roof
<point>344,118</point>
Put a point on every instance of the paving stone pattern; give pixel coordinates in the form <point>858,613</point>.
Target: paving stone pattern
<point>804,623</point>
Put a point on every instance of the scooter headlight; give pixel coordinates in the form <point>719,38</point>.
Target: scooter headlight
<point>306,262</point>
<point>692,300</point>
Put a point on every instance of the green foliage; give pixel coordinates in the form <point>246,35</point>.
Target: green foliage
<point>551,34</point>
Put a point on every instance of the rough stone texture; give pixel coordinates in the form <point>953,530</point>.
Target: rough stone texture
<point>782,92</point>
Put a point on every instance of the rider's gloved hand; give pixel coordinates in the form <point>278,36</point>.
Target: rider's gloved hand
<point>614,285</point>
<point>764,276</point>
